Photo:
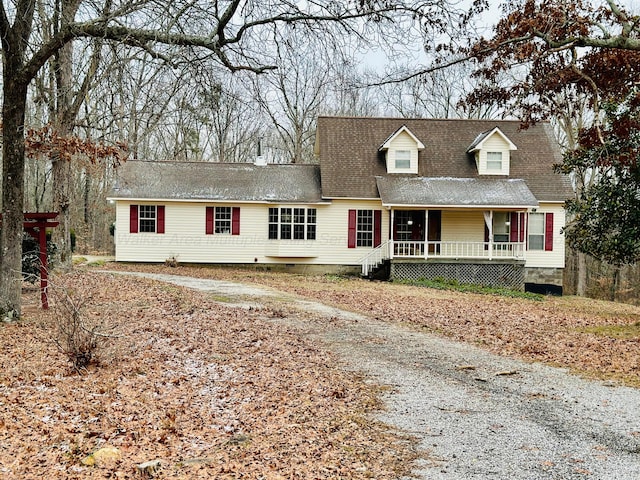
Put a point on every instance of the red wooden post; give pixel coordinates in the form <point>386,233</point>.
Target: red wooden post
<point>35,224</point>
<point>44,267</point>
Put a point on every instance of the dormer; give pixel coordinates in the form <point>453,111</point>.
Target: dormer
<point>492,151</point>
<point>401,151</point>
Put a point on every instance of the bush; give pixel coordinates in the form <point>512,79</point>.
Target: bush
<point>79,336</point>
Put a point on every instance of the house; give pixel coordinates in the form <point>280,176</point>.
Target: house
<point>472,200</point>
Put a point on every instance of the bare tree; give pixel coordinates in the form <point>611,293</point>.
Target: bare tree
<point>292,96</point>
<point>220,31</point>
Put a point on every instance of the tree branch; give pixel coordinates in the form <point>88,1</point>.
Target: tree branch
<point>4,27</point>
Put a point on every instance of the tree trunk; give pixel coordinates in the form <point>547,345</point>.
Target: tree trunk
<point>13,113</point>
<point>581,272</point>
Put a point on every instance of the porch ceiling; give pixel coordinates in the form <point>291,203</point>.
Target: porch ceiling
<point>455,192</point>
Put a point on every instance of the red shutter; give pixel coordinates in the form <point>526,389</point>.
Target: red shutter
<point>235,221</point>
<point>160,224</point>
<point>377,228</point>
<point>548,232</point>
<point>523,227</point>
<point>513,227</point>
<point>353,219</point>
<point>208,221</point>
<point>133,218</point>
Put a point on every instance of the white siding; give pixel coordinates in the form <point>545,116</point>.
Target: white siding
<point>554,258</point>
<point>462,226</point>
<point>185,237</point>
<point>495,143</point>
<point>333,231</point>
<point>402,142</point>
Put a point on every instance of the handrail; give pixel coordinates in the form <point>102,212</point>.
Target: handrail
<point>374,258</point>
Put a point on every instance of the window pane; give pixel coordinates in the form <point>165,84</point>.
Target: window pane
<point>403,159</point>
<point>536,242</point>
<point>298,215</point>
<point>311,232</point>
<point>298,231</point>
<point>273,231</point>
<point>494,160</point>
<point>285,215</point>
<point>501,229</point>
<point>285,231</point>
<point>311,215</point>
<point>273,215</point>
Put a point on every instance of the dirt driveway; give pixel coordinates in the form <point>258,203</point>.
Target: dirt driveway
<point>475,415</point>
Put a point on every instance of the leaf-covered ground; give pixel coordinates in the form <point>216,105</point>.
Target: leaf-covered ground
<point>595,338</point>
<point>206,390</point>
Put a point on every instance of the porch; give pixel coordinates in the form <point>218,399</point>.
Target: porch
<point>467,245</point>
<point>398,251</point>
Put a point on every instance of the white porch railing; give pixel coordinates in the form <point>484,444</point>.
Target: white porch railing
<point>416,250</point>
<point>487,250</point>
<point>375,258</point>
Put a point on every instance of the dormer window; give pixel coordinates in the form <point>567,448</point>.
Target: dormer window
<point>494,161</point>
<point>403,159</point>
<point>401,151</point>
<point>492,151</point>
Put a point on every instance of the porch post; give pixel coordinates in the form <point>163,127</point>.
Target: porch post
<point>488,220</point>
<point>426,234</point>
<point>391,229</point>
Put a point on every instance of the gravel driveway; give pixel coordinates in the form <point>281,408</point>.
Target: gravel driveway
<point>476,415</point>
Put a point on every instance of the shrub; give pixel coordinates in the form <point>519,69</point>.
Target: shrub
<point>79,336</point>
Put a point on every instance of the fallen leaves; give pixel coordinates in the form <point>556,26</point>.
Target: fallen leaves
<point>577,333</point>
<point>197,389</point>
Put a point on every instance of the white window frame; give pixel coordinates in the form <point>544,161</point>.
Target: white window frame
<point>402,160</point>
<point>222,219</point>
<point>292,223</point>
<point>536,239</point>
<point>495,161</point>
<point>364,228</point>
<point>147,218</point>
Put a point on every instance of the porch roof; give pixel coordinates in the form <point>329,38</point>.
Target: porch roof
<point>455,192</point>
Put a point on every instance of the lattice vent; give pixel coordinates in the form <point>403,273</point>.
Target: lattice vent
<point>495,275</point>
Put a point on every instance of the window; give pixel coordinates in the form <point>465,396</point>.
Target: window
<point>364,228</point>
<point>494,161</point>
<point>146,219</point>
<point>536,231</point>
<point>541,231</point>
<point>222,220</point>
<point>403,159</point>
<point>286,223</point>
<point>501,226</point>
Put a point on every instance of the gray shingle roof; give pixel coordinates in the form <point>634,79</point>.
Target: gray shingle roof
<point>218,182</point>
<point>442,192</point>
<point>350,160</point>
